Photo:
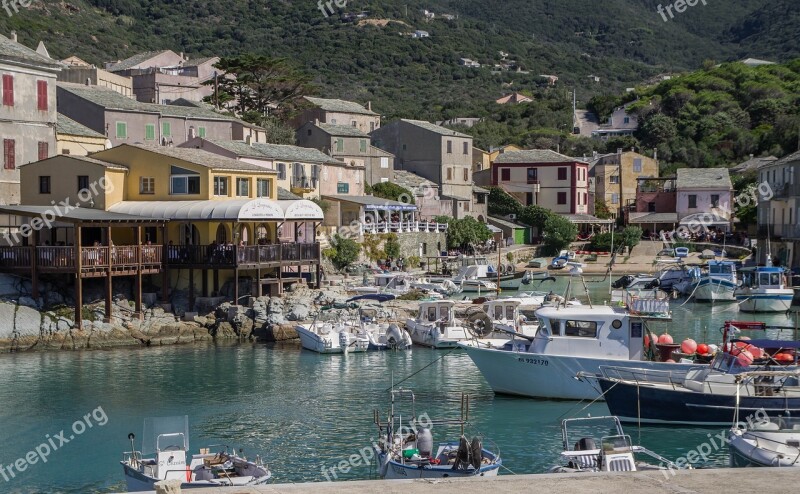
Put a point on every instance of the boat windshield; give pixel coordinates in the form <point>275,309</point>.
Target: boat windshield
<point>173,427</point>
<point>720,269</point>
<point>784,424</point>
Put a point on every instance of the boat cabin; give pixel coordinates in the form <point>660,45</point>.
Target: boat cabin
<point>765,277</point>
<point>438,311</point>
<point>512,313</point>
<point>599,332</point>
<point>722,269</point>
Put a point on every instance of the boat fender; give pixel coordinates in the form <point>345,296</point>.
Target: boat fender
<point>425,442</point>
<point>510,268</point>
<point>476,452</point>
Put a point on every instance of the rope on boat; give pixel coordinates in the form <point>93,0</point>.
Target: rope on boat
<point>590,403</point>
<point>420,370</point>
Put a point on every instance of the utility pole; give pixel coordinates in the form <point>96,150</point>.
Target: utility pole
<point>216,90</point>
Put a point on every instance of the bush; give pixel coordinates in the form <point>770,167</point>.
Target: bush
<point>393,192</point>
<point>392,246</point>
<point>601,242</point>
<point>559,232</point>
<point>343,252</point>
<point>631,236</point>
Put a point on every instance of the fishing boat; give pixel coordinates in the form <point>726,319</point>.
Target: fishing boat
<point>436,325</point>
<point>773,442</point>
<point>383,335</point>
<point>598,444</point>
<point>705,395</point>
<point>717,284</point>
<point>569,340</point>
<point>165,446</point>
<point>407,451</point>
<point>764,289</point>
<point>334,336</point>
<point>475,273</point>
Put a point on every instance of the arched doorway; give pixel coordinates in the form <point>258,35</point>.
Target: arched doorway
<point>221,236</point>
<point>189,235</point>
<point>262,233</point>
<point>243,234</point>
<point>481,218</point>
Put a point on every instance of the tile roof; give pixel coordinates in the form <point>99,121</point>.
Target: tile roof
<point>285,195</point>
<point>339,105</point>
<point>703,178</point>
<point>534,156</point>
<point>17,52</point>
<point>753,164</point>
<point>479,190</point>
<point>506,223</point>
<point>194,62</point>
<point>342,130</point>
<point>411,180</point>
<point>789,158</point>
<point>86,159</point>
<point>112,100</point>
<point>134,60</point>
<point>283,152</point>
<point>68,126</point>
<point>655,218</point>
<point>196,156</point>
<point>430,127</point>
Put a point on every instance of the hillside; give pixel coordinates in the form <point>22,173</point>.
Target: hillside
<point>621,41</point>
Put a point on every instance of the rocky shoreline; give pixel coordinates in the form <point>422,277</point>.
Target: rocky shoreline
<point>48,323</point>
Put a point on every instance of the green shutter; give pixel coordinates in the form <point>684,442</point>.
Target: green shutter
<point>165,129</point>
<point>340,144</point>
<point>363,146</point>
<point>150,132</point>
<point>201,131</point>
<point>122,130</point>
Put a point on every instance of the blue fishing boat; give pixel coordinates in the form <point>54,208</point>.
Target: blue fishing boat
<point>764,289</point>
<point>717,283</point>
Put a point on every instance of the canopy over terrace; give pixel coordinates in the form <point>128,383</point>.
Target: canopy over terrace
<point>701,221</point>
<point>656,221</point>
<point>376,215</point>
<point>587,222</point>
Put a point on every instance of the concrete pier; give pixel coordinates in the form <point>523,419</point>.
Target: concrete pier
<point>710,481</point>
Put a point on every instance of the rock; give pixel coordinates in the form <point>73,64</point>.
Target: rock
<point>10,285</point>
<point>299,311</point>
<point>168,487</point>
<point>54,298</point>
<point>29,302</point>
<point>7,311</point>
<point>27,321</point>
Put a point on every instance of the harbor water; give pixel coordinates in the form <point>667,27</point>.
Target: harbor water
<point>303,413</point>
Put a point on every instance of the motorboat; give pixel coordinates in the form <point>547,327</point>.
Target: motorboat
<point>570,339</point>
<point>717,284</point>
<point>764,289</point>
<point>599,444</point>
<point>333,336</point>
<point>163,456</point>
<point>764,441</point>
<point>704,395</point>
<point>443,287</point>
<point>383,335</point>
<point>513,316</point>
<point>407,450</point>
<point>559,262</point>
<point>636,282</point>
<point>671,273</point>
<point>436,325</point>
<point>392,283</point>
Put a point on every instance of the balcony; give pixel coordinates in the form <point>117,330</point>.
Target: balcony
<point>787,231</point>
<point>402,227</point>
<point>249,256</point>
<point>94,261</point>
<point>303,185</point>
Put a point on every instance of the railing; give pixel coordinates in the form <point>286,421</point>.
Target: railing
<point>62,258</point>
<point>402,227</point>
<point>303,183</point>
<point>782,230</point>
<point>233,255</point>
<point>15,257</point>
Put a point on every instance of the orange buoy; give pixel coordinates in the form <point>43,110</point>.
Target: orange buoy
<point>689,346</point>
<point>702,349</point>
<point>665,339</point>
<point>744,358</point>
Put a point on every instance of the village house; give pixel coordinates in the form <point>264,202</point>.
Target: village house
<point>183,218</point>
<point>337,112</point>
<point>704,197</point>
<point>80,72</point>
<point>123,120</point>
<point>514,98</point>
<point>616,178</point>
<point>74,138</point>
<point>427,198</point>
<point>27,112</point>
<point>779,210</point>
<point>438,154</point>
<point>620,123</point>
<point>480,161</point>
<point>654,208</point>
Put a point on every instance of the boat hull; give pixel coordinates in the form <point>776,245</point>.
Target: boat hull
<point>714,290</point>
<point>651,404</point>
<point>396,471</point>
<point>330,345</point>
<point>747,453</point>
<point>546,376</point>
<point>136,481</point>
<point>771,301</point>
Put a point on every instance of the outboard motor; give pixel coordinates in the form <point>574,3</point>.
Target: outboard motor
<point>344,340</point>
<point>653,284</point>
<point>585,444</point>
<point>425,442</point>
<point>394,336</point>
<point>623,282</point>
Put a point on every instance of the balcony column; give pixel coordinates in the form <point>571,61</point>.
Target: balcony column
<point>109,284</point>
<point>34,269</point>
<point>137,288</point>
<point>165,266</point>
<point>78,279</point>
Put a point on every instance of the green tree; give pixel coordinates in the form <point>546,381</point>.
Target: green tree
<point>559,232</point>
<point>535,216</point>
<point>343,252</point>
<point>602,242</point>
<point>392,246</point>
<point>277,131</point>
<point>601,209</point>
<point>657,129</point>
<point>392,192</point>
<point>630,236</point>
<point>501,203</point>
<point>464,232</point>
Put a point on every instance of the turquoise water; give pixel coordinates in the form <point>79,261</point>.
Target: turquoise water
<point>299,410</point>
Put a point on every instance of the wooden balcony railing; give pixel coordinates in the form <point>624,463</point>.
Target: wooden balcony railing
<point>234,255</point>
<point>62,258</point>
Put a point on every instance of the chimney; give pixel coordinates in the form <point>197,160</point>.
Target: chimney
<point>619,150</point>
<point>181,55</point>
<point>655,154</point>
<point>248,140</point>
<point>316,122</point>
<point>633,149</point>
<point>88,81</point>
<point>369,105</point>
<point>751,155</point>
<point>14,36</point>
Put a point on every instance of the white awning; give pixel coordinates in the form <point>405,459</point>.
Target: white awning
<point>223,210</point>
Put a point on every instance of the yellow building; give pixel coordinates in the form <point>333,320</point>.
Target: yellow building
<point>481,160</point>
<point>495,152</point>
<point>616,177</point>
<point>137,210</point>
<point>74,138</point>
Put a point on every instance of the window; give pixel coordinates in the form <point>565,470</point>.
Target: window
<point>201,131</point>
<point>281,171</point>
<point>692,201</point>
<point>243,187</point>
<point>220,186</point>
<point>449,173</point>
<point>505,174</point>
<point>627,120</point>
<point>481,199</point>
<point>384,162</point>
<point>339,145</point>
<point>614,198</point>
<point>637,164</point>
<point>371,126</point>
<point>41,95</point>
<point>166,129</point>
<point>466,174</point>
<point>562,198</point>
<point>9,154</point>
<point>529,198</point>
<point>581,329</point>
<point>263,187</point>
<point>149,132</point>
<point>714,200</point>
<point>614,179</point>
<point>533,175</point>
<point>466,206</point>
<point>466,148</point>
<point>83,182</point>
<point>122,130</point>
<point>147,185</point>
<point>183,181</point>
<point>651,207</point>
<point>308,132</point>
<point>8,90</point>
<point>363,145</point>
<point>44,150</point>
<point>44,184</point>
<point>449,147</point>
<point>562,173</point>
<point>342,188</point>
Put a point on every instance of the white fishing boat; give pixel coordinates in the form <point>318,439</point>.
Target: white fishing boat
<point>383,335</point>
<point>598,444</point>
<point>476,273</point>
<point>391,283</point>
<point>436,325</point>
<point>765,442</point>
<point>407,450</point>
<point>717,284</point>
<point>332,337</point>
<point>570,340</point>
<point>764,289</point>
<point>165,446</point>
